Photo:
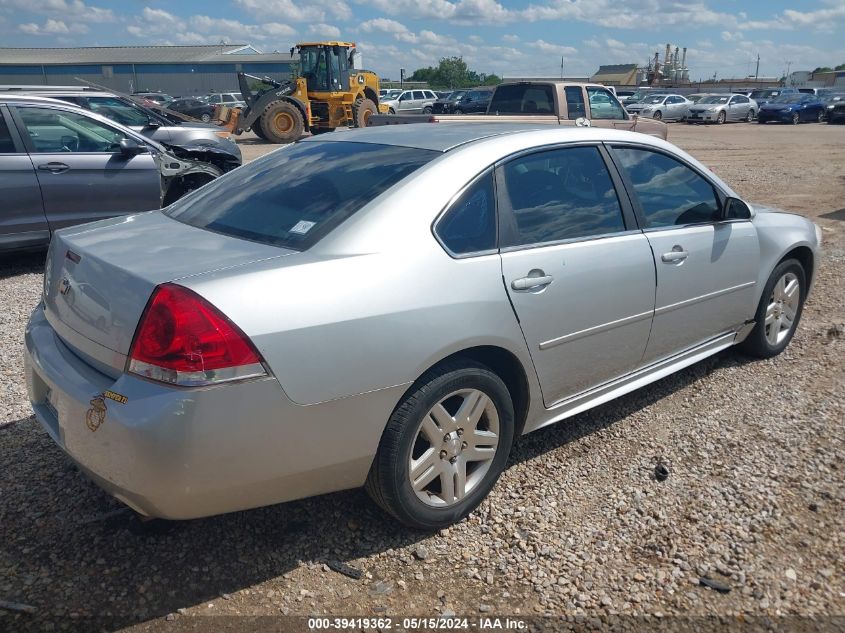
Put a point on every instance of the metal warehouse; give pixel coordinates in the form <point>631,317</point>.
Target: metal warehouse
<point>176,70</point>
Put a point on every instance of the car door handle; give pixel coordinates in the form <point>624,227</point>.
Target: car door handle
<point>531,283</point>
<point>677,254</point>
<point>54,168</point>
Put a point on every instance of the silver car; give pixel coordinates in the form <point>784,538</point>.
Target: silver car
<point>392,307</point>
<point>411,102</point>
<point>720,108</point>
<point>663,107</point>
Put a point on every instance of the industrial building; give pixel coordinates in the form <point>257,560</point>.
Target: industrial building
<point>176,70</point>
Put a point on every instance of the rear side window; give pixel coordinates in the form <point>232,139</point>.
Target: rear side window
<point>669,192</point>
<point>523,99</point>
<point>117,110</point>
<point>560,194</point>
<point>575,102</point>
<point>295,196</point>
<point>469,226</point>
<point>6,144</point>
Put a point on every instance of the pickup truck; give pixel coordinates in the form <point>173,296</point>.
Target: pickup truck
<point>548,102</point>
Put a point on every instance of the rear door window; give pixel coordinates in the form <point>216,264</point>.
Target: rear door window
<point>117,110</point>
<point>575,102</point>
<point>6,144</point>
<point>295,196</point>
<point>559,194</point>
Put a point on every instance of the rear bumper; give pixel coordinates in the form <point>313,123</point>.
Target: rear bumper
<point>186,453</point>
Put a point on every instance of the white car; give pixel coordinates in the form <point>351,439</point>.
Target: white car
<point>412,102</point>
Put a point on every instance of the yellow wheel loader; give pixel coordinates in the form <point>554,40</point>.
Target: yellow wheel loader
<point>328,92</point>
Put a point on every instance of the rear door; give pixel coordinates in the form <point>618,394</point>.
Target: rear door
<point>131,115</point>
<point>22,219</point>
<point>578,271</point>
<point>706,267</point>
<point>82,173</point>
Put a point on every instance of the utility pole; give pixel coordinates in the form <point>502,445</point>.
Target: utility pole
<point>561,66</point>
<point>786,73</point>
<point>757,71</point>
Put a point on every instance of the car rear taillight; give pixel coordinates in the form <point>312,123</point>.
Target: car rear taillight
<point>184,340</point>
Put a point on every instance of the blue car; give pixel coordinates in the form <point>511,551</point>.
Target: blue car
<point>792,108</point>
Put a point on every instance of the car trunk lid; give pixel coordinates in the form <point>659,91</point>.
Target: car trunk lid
<point>98,282</point>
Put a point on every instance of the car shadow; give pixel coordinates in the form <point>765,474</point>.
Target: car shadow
<point>21,263</point>
<point>76,552</point>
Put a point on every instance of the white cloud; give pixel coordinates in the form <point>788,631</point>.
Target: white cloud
<point>556,49</point>
<point>203,29</point>
<point>53,27</point>
<point>63,10</point>
<point>511,39</point>
<point>324,30</point>
<point>290,11</point>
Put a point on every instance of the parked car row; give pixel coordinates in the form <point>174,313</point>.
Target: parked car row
<point>784,105</point>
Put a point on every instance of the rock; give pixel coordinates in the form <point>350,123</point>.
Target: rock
<point>721,587</point>
<point>485,608</point>
<point>170,617</point>
<point>790,573</point>
<point>381,588</point>
<point>421,552</point>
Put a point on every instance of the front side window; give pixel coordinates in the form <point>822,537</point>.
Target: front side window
<point>295,196</point>
<point>610,108</point>
<point>669,192</point>
<point>559,194</point>
<point>575,102</point>
<point>469,226</point>
<point>117,110</point>
<point>53,131</point>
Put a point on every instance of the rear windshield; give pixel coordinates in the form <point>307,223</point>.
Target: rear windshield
<point>295,196</point>
<point>523,99</point>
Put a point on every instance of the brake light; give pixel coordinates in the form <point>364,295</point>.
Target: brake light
<point>183,340</point>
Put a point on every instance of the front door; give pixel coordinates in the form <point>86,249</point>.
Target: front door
<point>80,168</point>
<point>579,274</point>
<point>608,112</point>
<point>706,268</point>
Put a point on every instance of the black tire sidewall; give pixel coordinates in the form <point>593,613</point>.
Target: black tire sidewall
<point>757,344</point>
<point>408,508</point>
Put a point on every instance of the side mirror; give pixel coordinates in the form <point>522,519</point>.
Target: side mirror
<point>151,122</point>
<point>736,209</point>
<point>130,147</point>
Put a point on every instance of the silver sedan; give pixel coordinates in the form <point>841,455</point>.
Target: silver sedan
<point>392,307</point>
<point>665,107</point>
<point>721,108</point>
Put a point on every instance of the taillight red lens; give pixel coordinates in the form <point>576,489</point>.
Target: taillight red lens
<point>183,339</point>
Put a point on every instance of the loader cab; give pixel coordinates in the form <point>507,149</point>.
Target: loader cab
<point>325,67</point>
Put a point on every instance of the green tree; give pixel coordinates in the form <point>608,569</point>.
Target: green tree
<point>840,67</point>
<point>822,69</point>
<point>452,73</point>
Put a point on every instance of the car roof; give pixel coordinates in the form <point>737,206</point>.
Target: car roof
<point>71,93</point>
<point>442,137</point>
<point>30,98</point>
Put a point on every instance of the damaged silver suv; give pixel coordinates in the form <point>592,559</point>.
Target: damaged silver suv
<point>61,165</point>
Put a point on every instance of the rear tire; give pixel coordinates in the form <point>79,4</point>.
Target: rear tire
<point>460,463</point>
<point>362,110</point>
<point>282,122</point>
<point>796,119</point>
<point>750,116</point>
<point>780,301</point>
<point>205,117</point>
<point>821,117</point>
<point>458,111</point>
<point>427,110</point>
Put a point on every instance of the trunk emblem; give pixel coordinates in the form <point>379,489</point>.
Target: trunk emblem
<point>64,287</point>
<point>96,415</point>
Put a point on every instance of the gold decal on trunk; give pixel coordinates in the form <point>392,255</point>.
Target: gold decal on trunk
<point>117,397</point>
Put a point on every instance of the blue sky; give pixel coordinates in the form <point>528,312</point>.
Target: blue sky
<point>524,37</point>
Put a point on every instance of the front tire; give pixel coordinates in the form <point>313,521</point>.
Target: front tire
<point>362,110</point>
<point>458,111</point>
<point>444,446</point>
<point>282,122</point>
<point>796,118</point>
<point>721,118</point>
<point>205,117</point>
<point>658,116</point>
<point>779,311</point>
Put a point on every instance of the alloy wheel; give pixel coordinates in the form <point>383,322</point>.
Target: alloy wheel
<point>782,308</point>
<point>796,118</point>
<point>454,447</point>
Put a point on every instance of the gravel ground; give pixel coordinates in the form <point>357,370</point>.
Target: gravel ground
<point>577,525</point>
